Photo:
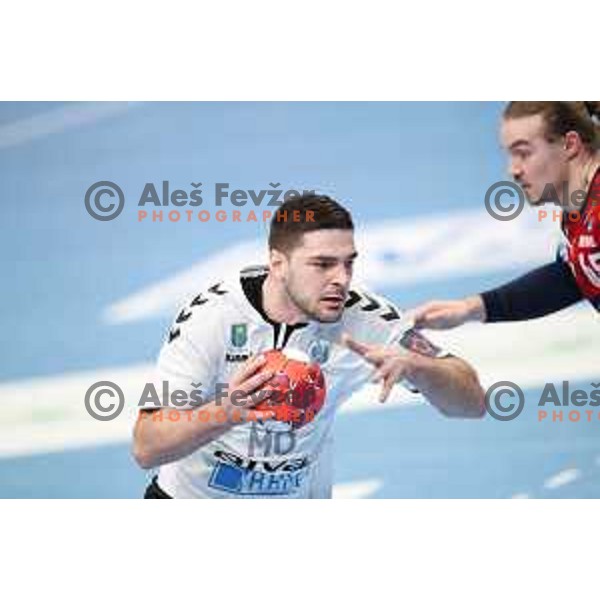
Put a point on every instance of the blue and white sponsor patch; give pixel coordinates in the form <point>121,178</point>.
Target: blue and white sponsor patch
<point>258,478</point>
<point>244,482</point>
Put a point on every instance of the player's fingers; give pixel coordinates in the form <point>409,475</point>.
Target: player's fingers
<point>249,367</point>
<point>420,312</point>
<point>386,388</point>
<point>373,354</point>
<point>245,398</point>
<point>375,357</point>
<point>356,346</point>
<point>393,367</point>
<point>263,395</point>
<point>435,315</point>
<point>382,372</point>
<point>436,319</point>
<point>428,320</point>
<point>254,382</point>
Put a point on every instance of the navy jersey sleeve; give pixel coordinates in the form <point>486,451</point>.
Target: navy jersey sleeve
<point>538,293</point>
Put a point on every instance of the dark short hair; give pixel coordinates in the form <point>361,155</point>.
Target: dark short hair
<point>302,214</point>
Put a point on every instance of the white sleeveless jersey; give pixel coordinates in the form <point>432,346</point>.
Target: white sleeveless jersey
<point>223,326</point>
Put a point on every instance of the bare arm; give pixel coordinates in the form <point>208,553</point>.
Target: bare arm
<point>538,293</point>
<point>168,434</point>
<point>446,314</point>
<point>450,384</point>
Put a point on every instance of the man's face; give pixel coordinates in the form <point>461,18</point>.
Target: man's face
<point>534,161</point>
<point>316,274</point>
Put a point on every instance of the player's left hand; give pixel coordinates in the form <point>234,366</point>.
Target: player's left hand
<point>391,365</point>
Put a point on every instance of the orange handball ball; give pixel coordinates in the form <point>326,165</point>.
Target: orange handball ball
<point>298,387</point>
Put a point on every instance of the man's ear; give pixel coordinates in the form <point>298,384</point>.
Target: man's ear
<point>573,145</point>
<point>277,263</point>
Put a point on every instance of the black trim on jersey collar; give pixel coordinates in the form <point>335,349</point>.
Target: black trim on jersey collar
<point>252,285</point>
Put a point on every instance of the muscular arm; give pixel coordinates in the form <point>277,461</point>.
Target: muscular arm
<point>538,293</point>
<point>169,434</point>
<point>450,384</point>
<point>165,435</point>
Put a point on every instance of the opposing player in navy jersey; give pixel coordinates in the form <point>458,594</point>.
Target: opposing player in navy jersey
<point>554,150</point>
<point>303,302</point>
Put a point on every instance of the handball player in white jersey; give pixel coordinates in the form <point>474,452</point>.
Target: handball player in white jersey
<point>303,304</point>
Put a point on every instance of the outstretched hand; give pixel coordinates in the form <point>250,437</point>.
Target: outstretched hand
<point>446,314</point>
<point>391,365</point>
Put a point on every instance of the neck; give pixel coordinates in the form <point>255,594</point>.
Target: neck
<point>278,305</point>
<point>581,175</point>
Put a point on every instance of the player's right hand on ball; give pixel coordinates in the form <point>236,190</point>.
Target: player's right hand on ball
<point>446,314</point>
<point>244,389</point>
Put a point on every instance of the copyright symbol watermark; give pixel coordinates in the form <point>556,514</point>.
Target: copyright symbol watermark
<point>503,409</point>
<point>504,200</point>
<point>104,200</point>
<point>104,410</point>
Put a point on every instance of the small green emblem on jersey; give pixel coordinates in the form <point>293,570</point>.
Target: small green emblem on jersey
<point>239,335</point>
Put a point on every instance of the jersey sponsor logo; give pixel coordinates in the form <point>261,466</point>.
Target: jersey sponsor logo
<point>239,335</point>
<point>233,357</point>
<point>416,342</point>
<point>238,339</point>
<point>249,477</point>
<point>318,351</point>
<point>278,438</point>
<point>587,241</point>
